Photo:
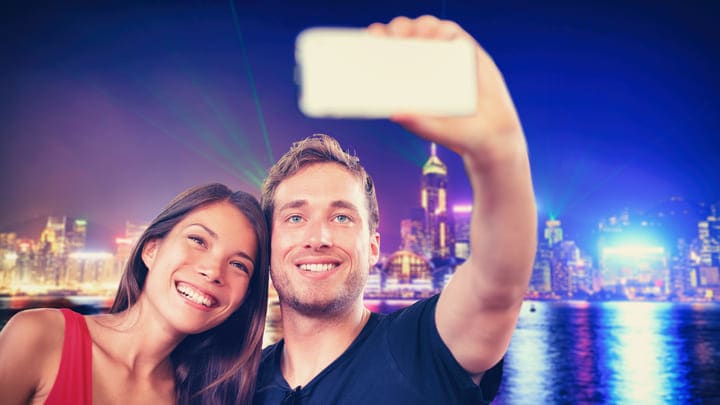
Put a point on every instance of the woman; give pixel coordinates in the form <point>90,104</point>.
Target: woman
<point>185,327</point>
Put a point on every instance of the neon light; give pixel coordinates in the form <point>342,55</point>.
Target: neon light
<point>462,208</point>
<point>632,250</point>
<point>123,241</point>
<point>90,255</point>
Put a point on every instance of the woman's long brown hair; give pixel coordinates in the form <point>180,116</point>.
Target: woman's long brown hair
<point>218,366</point>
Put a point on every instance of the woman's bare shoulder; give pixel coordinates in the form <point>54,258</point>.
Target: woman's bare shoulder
<point>30,348</point>
<point>41,326</point>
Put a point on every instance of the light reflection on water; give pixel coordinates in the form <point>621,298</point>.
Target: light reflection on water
<point>636,346</point>
<point>614,353</point>
<point>577,352</point>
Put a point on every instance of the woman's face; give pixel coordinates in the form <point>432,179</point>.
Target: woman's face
<point>199,273</point>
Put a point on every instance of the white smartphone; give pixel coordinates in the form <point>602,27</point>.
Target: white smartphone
<point>345,72</point>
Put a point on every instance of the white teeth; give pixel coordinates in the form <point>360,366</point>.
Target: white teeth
<point>194,295</point>
<point>318,267</point>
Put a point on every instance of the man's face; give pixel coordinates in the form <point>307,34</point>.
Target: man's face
<point>322,249</point>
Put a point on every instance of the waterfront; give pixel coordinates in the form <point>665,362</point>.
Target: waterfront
<point>614,353</point>
<point>576,352</point>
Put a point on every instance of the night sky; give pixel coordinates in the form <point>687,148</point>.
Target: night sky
<point>107,111</point>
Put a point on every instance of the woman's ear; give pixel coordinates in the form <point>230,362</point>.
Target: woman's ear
<point>149,251</point>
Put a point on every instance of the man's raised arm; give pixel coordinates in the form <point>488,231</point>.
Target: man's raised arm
<point>478,310</point>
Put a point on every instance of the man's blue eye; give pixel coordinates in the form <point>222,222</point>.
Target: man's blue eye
<point>342,218</point>
<point>294,219</point>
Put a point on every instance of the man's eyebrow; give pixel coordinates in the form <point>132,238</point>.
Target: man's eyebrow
<point>293,204</point>
<point>344,204</point>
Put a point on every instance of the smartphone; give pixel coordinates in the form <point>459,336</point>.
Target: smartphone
<point>346,72</point>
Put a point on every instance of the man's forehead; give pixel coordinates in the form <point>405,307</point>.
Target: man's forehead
<point>324,183</point>
<point>326,175</point>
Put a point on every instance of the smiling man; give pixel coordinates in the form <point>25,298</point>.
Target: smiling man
<point>324,216</point>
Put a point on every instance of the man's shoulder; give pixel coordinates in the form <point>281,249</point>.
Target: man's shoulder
<point>418,308</point>
<point>268,352</point>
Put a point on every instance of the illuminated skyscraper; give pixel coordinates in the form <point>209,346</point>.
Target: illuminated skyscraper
<point>709,240</point>
<point>77,236</point>
<point>53,236</point>
<point>412,232</point>
<point>126,243</point>
<point>461,217</point>
<point>53,253</point>
<point>434,201</point>
<point>8,259</point>
<point>541,280</point>
<point>24,265</point>
<point>575,276</point>
<point>553,232</point>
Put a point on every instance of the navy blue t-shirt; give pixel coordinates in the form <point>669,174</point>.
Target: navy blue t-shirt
<point>396,359</point>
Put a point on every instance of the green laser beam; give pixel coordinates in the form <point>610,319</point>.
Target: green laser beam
<point>233,132</point>
<point>208,138</point>
<point>248,69</point>
<point>168,133</point>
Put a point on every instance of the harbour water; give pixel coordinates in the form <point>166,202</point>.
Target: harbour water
<point>614,353</point>
<point>580,352</point>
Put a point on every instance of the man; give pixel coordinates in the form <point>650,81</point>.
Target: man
<point>324,216</point>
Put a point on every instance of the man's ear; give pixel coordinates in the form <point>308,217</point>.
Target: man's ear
<point>374,248</point>
<point>149,251</point>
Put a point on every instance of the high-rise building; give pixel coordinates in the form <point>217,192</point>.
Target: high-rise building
<point>412,232</point>
<point>709,241</point>
<point>434,201</point>
<point>125,245</point>
<point>680,270</point>
<point>53,236</point>
<point>553,232</point>
<point>541,279</point>
<point>461,216</point>
<point>25,264</point>
<point>53,253</point>
<point>77,236</point>
<point>8,259</point>
<point>91,271</point>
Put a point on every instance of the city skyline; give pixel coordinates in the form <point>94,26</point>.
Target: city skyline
<point>110,110</point>
<point>58,263</point>
<point>631,260</point>
<point>106,239</point>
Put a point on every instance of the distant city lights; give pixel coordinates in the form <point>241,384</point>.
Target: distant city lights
<point>90,255</point>
<point>632,250</point>
<point>462,208</point>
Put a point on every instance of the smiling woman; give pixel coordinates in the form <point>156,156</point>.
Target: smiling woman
<point>185,327</point>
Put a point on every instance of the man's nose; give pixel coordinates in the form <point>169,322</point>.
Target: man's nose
<point>318,235</point>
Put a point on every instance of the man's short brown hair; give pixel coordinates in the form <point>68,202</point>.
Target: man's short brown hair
<point>319,148</point>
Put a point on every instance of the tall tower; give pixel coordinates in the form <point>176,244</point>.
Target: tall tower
<point>462,214</point>
<point>709,238</point>
<point>553,232</point>
<point>77,237</point>
<point>434,201</point>
<point>53,253</point>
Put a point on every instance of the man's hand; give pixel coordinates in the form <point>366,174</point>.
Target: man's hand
<point>493,131</point>
<point>477,311</point>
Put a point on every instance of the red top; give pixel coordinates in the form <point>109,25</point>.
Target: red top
<point>73,384</point>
